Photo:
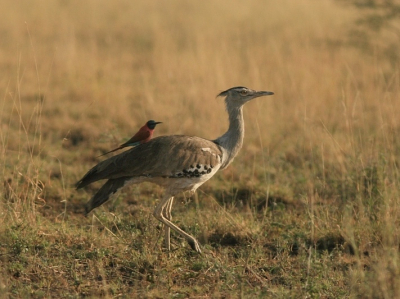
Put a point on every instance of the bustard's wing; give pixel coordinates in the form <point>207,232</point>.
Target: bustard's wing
<point>165,156</point>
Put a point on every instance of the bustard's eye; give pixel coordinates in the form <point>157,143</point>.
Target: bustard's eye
<point>243,92</point>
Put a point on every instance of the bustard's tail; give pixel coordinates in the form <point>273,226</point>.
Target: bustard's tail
<point>90,177</point>
<point>105,170</point>
<point>109,188</point>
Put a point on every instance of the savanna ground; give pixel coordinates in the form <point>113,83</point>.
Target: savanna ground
<point>309,208</point>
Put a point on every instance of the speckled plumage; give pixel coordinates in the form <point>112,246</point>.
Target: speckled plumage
<point>161,157</point>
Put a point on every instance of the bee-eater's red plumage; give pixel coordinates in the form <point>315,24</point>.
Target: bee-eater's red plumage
<point>144,134</point>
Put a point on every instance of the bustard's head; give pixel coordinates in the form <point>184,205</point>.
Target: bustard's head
<point>151,124</point>
<point>237,96</point>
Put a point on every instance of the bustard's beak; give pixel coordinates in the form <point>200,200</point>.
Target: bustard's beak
<point>262,93</point>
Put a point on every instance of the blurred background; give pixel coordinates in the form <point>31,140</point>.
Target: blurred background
<point>86,75</point>
<point>101,70</point>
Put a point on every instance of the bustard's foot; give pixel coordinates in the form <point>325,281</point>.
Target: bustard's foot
<point>194,244</point>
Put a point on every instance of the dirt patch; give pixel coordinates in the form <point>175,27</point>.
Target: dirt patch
<point>219,238</point>
<point>330,242</point>
<point>255,199</point>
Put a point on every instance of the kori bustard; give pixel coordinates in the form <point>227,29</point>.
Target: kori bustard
<point>177,162</point>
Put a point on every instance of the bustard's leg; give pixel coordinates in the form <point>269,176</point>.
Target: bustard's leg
<point>168,216</point>
<point>158,213</point>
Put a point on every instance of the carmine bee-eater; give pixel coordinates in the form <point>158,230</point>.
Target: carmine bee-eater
<point>142,136</point>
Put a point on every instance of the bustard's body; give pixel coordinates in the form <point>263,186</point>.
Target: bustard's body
<point>177,162</point>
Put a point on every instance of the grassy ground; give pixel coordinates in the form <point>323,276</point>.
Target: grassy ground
<point>309,208</point>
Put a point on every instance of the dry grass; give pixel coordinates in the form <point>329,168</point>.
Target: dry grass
<point>309,208</point>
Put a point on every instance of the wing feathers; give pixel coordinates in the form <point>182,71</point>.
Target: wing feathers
<point>161,156</point>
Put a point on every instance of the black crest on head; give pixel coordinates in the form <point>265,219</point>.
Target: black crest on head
<point>225,93</point>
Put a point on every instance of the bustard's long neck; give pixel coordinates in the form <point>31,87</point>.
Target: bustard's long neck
<point>232,140</point>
